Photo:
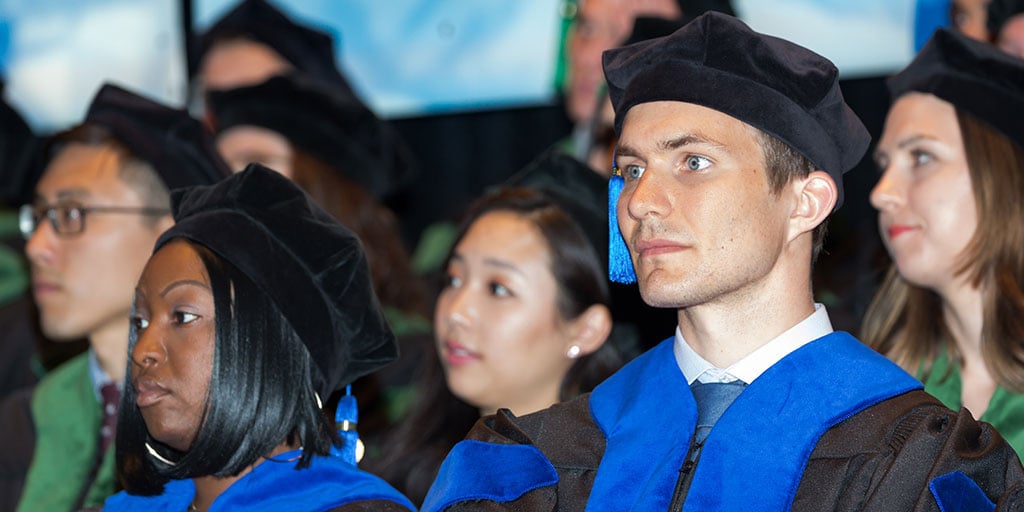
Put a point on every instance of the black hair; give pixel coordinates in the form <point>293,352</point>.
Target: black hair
<point>261,393</point>
<point>134,171</point>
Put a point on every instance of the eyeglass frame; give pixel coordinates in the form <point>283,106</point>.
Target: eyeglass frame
<point>27,214</point>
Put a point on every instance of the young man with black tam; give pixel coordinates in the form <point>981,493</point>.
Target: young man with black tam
<point>731,153</point>
<point>102,201</point>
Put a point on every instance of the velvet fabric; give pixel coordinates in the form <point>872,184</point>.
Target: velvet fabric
<point>795,401</point>
<point>718,62</point>
<point>956,492</point>
<point>461,479</point>
<point>312,267</point>
<point>331,124</point>
<point>275,485</point>
<point>307,48</point>
<point>975,77</point>
<point>179,147</point>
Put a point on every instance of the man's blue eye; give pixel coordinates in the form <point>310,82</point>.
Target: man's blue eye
<point>697,163</point>
<point>633,172</point>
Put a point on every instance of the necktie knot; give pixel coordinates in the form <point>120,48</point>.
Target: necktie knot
<point>713,398</point>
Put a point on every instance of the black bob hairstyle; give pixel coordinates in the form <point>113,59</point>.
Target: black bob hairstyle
<point>261,393</point>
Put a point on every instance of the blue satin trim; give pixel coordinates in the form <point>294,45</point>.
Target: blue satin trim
<point>759,447</point>
<point>475,470</point>
<point>273,486</point>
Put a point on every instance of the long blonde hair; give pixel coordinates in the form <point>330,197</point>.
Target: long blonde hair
<point>905,321</point>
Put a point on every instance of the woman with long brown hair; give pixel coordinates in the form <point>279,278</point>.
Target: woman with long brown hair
<point>951,309</point>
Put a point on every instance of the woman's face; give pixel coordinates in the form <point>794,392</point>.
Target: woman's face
<point>925,200</point>
<point>172,360</point>
<point>500,336</point>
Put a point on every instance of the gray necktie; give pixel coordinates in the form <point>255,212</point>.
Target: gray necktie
<point>713,398</point>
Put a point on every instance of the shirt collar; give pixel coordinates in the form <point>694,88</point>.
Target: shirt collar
<point>695,367</point>
<point>98,377</point>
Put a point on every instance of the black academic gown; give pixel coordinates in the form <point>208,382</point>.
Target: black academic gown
<point>832,426</point>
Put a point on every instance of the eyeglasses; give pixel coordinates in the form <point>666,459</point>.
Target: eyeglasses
<point>68,218</point>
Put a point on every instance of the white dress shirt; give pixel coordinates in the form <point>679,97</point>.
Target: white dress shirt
<point>695,367</point>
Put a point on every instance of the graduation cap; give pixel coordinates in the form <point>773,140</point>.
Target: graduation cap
<point>308,49</point>
<point>975,77</point>
<point>718,62</point>
<point>311,266</point>
<point>574,187</point>
<point>178,146</point>
<point>327,122</point>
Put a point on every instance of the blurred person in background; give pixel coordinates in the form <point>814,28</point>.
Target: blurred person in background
<point>255,41</point>
<point>970,18</point>
<point>951,309</point>
<point>21,362</point>
<point>599,25</point>
<point>346,159</point>
<point>1006,25</point>
<point>101,203</point>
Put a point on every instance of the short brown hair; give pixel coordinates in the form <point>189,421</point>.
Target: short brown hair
<point>782,165</point>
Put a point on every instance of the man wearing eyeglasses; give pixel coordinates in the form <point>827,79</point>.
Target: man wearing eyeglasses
<point>99,207</point>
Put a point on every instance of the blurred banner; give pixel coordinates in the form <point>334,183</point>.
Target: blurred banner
<point>415,57</point>
<point>406,58</point>
<point>56,53</point>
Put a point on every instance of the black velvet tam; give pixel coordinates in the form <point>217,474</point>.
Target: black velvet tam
<point>718,62</point>
<point>975,77</point>
<point>327,122</point>
<point>308,49</point>
<point>312,267</point>
<point>575,188</point>
<point>177,145</point>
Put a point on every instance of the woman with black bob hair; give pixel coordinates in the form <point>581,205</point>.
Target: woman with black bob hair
<point>253,306</point>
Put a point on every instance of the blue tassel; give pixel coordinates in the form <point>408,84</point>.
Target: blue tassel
<point>346,417</point>
<point>620,265</point>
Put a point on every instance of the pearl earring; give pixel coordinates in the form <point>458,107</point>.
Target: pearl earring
<point>574,352</point>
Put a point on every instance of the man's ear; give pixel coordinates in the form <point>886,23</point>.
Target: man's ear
<point>589,331</point>
<point>816,197</point>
